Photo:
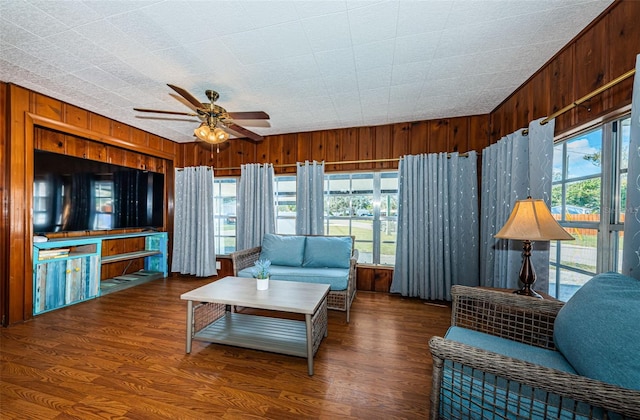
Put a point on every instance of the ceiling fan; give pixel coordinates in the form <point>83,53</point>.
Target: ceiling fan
<point>216,122</point>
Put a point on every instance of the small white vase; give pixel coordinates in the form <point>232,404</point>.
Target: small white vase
<point>262,284</point>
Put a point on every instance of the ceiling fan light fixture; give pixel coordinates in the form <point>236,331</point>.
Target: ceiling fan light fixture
<point>219,135</point>
<point>202,132</point>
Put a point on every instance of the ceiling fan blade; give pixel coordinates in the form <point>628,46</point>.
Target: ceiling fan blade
<point>186,95</point>
<point>190,114</point>
<point>255,115</point>
<point>256,138</point>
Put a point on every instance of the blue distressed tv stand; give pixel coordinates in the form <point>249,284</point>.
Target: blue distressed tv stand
<point>67,270</point>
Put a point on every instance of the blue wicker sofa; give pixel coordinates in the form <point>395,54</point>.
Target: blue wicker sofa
<point>307,258</point>
<point>509,357</point>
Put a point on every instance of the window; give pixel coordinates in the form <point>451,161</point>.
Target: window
<point>588,198</point>
<point>364,205</point>
<point>225,215</point>
<point>285,191</point>
<point>104,205</point>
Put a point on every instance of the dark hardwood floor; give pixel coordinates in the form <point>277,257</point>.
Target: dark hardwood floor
<point>123,356</point>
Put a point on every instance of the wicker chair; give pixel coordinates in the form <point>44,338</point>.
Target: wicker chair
<point>469,382</point>
<point>339,300</point>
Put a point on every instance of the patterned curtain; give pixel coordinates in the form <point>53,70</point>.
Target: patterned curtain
<point>631,253</point>
<point>437,244</point>
<point>511,170</point>
<point>193,238</point>
<point>310,198</point>
<point>256,205</point>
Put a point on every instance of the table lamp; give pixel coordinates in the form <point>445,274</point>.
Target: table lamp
<point>531,221</point>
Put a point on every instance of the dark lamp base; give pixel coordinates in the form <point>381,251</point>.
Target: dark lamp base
<point>528,292</point>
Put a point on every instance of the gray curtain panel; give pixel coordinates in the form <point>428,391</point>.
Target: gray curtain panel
<point>437,243</point>
<point>511,171</point>
<point>310,198</point>
<point>256,205</point>
<point>193,238</point>
<point>631,252</point>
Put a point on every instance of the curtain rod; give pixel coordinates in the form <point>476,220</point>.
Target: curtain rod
<point>589,96</point>
<point>342,162</point>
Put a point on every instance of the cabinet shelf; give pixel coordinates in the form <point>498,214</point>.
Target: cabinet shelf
<point>68,270</point>
<point>129,256</point>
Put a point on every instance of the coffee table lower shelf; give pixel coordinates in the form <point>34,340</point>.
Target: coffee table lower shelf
<point>284,336</point>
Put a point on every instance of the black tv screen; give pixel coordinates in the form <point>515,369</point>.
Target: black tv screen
<point>75,194</point>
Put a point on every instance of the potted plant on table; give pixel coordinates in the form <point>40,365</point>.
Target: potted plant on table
<point>262,274</point>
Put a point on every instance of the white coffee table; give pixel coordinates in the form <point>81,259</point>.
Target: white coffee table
<point>212,320</point>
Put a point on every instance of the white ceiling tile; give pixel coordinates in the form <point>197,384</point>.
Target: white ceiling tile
<point>33,19</point>
<point>375,54</point>
<point>373,22</point>
<point>420,47</point>
<point>138,27</point>
<point>70,13</point>
<point>374,78</point>
<point>307,9</point>
<point>83,48</point>
<point>107,8</point>
<point>335,61</point>
<point>14,35</point>
<point>322,39</point>
<point>415,17</point>
<point>346,82</point>
<point>410,73</point>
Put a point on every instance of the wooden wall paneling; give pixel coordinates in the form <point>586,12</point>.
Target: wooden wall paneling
<point>262,152</point>
<point>120,130</point>
<point>51,141</point>
<point>76,116</point>
<point>116,156</point>
<point>4,202</point>
<point>479,136</point>
<point>439,136</point>
<point>46,106</point>
<point>540,94</point>
<point>591,71</point>
<point>19,249</point>
<point>366,142</point>
<point>99,124</point>
<point>303,147</point>
<point>383,146</point>
<point>400,142</point>
<point>188,155</point>
<point>331,149</point>
<point>317,146</point>
<point>458,134</point>
<point>419,140</point>
<point>76,146</point>
<point>154,142</point>
<point>275,144</point>
<point>365,278</point>
<point>289,152</point>
<point>382,279</point>
<point>561,88</point>
<point>139,137</point>
<point>525,105</point>
<point>349,149</point>
<point>623,32</point>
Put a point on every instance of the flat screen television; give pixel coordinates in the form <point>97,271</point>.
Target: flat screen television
<point>76,194</point>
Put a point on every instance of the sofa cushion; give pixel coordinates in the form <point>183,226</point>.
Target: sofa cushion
<point>338,278</point>
<point>598,330</point>
<point>283,249</point>
<point>327,251</point>
<point>532,354</point>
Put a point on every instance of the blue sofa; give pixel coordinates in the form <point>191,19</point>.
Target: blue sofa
<point>510,356</point>
<point>307,258</point>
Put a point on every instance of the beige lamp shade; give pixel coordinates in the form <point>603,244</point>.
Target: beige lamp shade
<point>531,220</point>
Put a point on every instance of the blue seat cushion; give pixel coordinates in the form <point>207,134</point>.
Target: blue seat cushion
<point>336,277</point>
<point>536,355</point>
<point>283,249</point>
<point>327,251</point>
<point>598,330</point>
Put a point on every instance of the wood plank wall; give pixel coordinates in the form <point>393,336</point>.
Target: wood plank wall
<point>36,120</point>
<point>603,51</point>
<point>458,134</point>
